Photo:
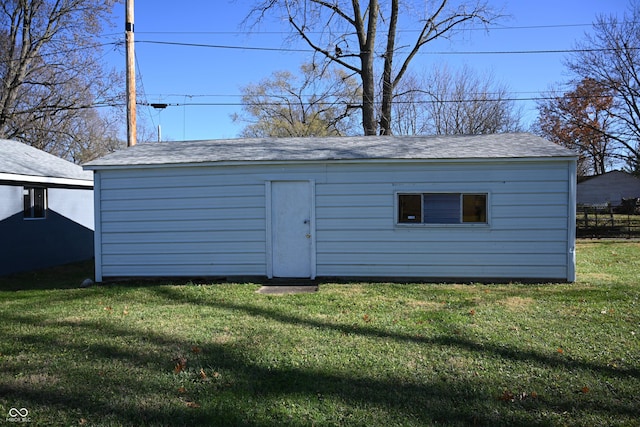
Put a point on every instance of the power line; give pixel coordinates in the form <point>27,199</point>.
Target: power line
<point>105,104</point>
<point>243,33</point>
<point>217,46</point>
<point>92,46</point>
<point>220,95</point>
<point>345,103</point>
<point>143,92</point>
<point>299,50</point>
<point>470,52</point>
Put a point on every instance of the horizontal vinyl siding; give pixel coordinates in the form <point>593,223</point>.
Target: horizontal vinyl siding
<point>182,222</point>
<point>526,237</point>
<point>212,220</point>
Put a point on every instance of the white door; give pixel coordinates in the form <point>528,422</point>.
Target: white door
<point>291,229</point>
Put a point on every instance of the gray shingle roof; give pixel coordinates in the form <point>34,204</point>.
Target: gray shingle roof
<point>514,145</point>
<point>17,158</point>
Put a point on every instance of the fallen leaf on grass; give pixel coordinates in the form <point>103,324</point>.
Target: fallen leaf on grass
<point>181,364</point>
<point>182,389</point>
<point>203,374</point>
<point>560,350</point>
<point>366,318</point>
<point>585,390</point>
<point>507,396</point>
<point>192,404</point>
<point>195,349</point>
<point>472,312</point>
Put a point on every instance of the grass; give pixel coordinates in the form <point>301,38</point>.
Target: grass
<point>352,354</point>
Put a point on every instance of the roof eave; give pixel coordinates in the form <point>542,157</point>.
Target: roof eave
<point>97,167</point>
<point>46,180</point>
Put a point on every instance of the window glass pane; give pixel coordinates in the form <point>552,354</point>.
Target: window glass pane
<point>27,203</point>
<point>35,202</point>
<point>474,208</point>
<point>442,208</point>
<point>39,202</point>
<point>410,208</point>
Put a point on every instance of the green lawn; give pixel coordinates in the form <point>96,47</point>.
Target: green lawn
<point>351,354</point>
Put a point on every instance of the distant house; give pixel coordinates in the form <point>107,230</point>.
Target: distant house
<point>491,207</point>
<point>608,188</point>
<point>46,209</point>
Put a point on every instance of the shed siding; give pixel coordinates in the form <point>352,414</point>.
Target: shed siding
<point>211,220</point>
<point>182,222</point>
<point>526,236</point>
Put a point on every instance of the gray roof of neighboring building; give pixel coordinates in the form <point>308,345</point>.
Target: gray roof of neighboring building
<point>17,158</point>
<point>512,145</point>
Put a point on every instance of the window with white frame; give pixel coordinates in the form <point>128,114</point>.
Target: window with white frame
<point>35,202</point>
<point>442,208</point>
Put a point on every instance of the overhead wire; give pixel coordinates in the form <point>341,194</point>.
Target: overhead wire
<point>146,102</point>
<point>490,28</point>
<point>272,49</point>
<point>308,50</point>
<point>396,102</point>
<point>471,52</point>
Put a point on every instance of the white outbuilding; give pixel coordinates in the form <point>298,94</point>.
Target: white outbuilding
<point>472,208</point>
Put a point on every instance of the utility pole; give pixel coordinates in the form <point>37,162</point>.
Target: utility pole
<point>131,76</point>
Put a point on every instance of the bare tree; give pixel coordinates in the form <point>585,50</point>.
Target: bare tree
<point>610,56</point>
<point>447,102</point>
<point>409,109</point>
<point>314,103</point>
<point>345,33</point>
<point>50,72</point>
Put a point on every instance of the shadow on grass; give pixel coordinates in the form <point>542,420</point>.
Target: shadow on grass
<point>68,276</point>
<point>115,374</point>
<point>450,340</point>
<point>96,394</point>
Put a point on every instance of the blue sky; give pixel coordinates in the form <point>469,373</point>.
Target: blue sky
<point>188,75</point>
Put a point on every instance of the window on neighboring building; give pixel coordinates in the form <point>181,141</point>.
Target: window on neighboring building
<point>35,202</point>
<point>442,208</point>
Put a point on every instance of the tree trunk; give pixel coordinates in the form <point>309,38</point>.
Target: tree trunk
<point>366,38</point>
<point>387,82</point>
<point>328,27</point>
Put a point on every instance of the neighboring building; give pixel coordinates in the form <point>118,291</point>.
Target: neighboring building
<point>46,209</point>
<point>491,207</point>
<point>608,189</point>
